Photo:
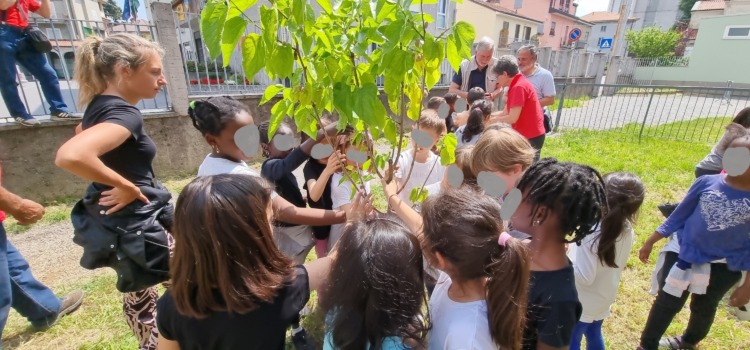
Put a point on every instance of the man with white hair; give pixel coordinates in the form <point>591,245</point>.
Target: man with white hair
<point>477,72</point>
<point>540,78</point>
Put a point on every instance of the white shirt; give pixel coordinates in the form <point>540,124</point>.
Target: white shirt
<point>341,194</point>
<point>217,166</point>
<point>597,283</point>
<point>457,325</point>
<point>431,170</point>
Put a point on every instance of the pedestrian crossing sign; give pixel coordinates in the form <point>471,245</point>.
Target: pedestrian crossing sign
<point>605,43</point>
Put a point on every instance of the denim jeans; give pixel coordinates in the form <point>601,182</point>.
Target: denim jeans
<point>593,333</point>
<point>702,306</point>
<point>21,291</point>
<point>15,48</point>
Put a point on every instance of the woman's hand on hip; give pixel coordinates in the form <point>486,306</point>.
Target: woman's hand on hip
<point>119,197</point>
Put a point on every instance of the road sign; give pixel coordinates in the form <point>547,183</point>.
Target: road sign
<point>575,34</point>
<point>605,43</point>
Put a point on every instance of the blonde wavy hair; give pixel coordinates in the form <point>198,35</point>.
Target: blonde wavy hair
<point>97,59</point>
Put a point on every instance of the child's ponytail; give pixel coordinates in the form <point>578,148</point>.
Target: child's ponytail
<point>471,244</point>
<point>507,292</point>
<point>625,193</point>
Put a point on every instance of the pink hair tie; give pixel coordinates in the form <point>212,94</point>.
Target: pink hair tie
<point>504,237</point>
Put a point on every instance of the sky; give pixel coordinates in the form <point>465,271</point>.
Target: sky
<point>587,6</point>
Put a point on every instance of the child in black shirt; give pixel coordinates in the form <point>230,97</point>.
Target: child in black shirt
<point>557,200</point>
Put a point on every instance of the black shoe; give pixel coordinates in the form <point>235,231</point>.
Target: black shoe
<point>301,341</point>
<point>666,209</point>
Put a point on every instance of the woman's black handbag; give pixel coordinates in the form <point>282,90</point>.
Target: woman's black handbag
<point>38,39</point>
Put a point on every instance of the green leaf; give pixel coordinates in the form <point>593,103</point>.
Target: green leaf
<point>448,149</point>
<point>459,43</point>
<point>342,101</point>
<point>271,92</point>
<point>269,24</point>
<point>281,61</point>
<point>253,55</point>
<point>298,11</point>
<point>384,10</point>
<point>390,131</point>
<point>368,106</point>
<point>278,112</point>
<point>233,30</point>
<point>423,17</point>
<point>325,5</point>
<point>241,5</point>
<point>213,17</point>
<point>418,194</point>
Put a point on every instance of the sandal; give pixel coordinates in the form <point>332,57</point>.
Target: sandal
<point>675,343</point>
<point>59,115</point>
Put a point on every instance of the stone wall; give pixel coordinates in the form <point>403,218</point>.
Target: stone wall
<point>28,155</point>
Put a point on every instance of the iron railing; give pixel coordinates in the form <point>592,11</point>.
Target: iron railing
<point>688,113</point>
<point>66,35</point>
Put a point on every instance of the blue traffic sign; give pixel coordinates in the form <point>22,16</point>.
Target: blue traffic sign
<point>605,43</point>
<point>575,34</point>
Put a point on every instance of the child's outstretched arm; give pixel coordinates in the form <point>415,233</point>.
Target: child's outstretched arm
<point>289,213</point>
<point>275,169</point>
<point>411,218</point>
<point>648,246</point>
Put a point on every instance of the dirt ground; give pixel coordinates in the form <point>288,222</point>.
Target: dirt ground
<point>52,255</point>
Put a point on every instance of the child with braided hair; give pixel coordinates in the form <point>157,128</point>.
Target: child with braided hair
<point>558,200</point>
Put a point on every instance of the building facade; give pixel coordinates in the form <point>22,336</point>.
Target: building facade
<point>605,27</point>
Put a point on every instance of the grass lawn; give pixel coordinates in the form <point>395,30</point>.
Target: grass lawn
<point>665,166</point>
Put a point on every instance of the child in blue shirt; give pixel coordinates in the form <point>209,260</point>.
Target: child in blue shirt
<point>712,224</point>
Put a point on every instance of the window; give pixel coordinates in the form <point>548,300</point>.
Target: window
<point>737,32</point>
<point>503,40</point>
<point>527,33</point>
<point>518,32</point>
<point>54,33</point>
<point>442,13</point>
<point>552,28</point>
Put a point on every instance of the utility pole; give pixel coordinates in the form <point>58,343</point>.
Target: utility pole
<point>621,25</point>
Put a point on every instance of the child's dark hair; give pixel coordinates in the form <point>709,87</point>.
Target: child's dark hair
<point>450,98</point>
<point>263,130</point>
<point>625,194</point>
<point>376,288</point>
<point>743,117</point>
<point>474,94</point>
<point>435,102</point>
<point>210,116</point>
<point>479,112</point>
<point>470,243</point>
<point>573,191</point>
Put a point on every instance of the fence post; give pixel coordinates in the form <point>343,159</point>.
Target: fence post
<point>600,64</point>
<point>560,108</point>
<point>645,115</point>
<point>612,71</point>
<point>166,31</point>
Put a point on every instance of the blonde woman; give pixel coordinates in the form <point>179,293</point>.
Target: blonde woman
<point>112,150</point>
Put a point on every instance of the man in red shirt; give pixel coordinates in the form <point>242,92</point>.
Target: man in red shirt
<point>18,287</point>
<point>523,111</point>
<point>16,48</point>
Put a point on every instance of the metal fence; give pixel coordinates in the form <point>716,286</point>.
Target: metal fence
<point>207,77</point>
<point>66,35</point>
<point>641,70</point>
<point>695,114</point>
